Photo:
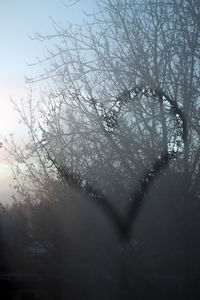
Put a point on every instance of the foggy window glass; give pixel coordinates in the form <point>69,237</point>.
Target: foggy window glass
<point>100,150</point>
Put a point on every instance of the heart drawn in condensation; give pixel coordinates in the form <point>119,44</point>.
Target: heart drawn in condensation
<point>123,225</point>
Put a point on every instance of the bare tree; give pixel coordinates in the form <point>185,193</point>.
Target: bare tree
<point>123,105</point>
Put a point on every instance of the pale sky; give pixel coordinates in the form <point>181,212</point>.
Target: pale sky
<point>20,19</point>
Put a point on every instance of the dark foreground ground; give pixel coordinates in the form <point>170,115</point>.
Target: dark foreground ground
<point>31,287</point>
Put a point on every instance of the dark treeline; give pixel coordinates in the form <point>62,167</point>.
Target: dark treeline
<point>71,244</point>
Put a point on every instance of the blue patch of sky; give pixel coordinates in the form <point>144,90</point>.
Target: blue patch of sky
<point>20,19</point>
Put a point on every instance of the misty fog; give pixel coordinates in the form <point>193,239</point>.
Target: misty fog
<point>106,184</point>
